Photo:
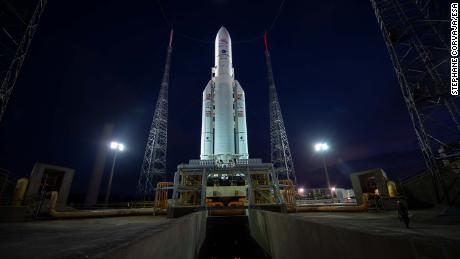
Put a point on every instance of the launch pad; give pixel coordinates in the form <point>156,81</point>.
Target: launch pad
<point>225,181</point>
<point>226,189</point>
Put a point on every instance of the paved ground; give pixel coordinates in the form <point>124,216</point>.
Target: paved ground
<point>73,238</point>
<point>85,238</point>
<point>422,224</point>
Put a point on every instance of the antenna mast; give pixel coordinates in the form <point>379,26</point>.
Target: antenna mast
<point>281,157</point>
<point>154,165</point>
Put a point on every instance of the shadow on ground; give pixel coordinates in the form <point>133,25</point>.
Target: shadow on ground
<point>229,237</point>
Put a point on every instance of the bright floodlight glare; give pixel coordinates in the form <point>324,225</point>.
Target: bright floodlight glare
<point>116,145</point>
<point>333,189</point>
<point>317,147</point>
<point>300,190</point>
<point>121,147</point>
<point>321,147</point>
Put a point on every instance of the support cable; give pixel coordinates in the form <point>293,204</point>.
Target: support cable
<point>203,41</point>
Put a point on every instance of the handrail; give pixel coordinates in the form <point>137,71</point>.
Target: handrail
<point>349,208</point>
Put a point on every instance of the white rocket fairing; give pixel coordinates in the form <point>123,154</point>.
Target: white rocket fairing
<point>223,128</point>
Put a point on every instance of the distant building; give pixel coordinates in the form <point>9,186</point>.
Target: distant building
<point>46,178</point>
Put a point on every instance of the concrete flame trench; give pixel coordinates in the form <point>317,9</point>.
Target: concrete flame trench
<point>276,235</point>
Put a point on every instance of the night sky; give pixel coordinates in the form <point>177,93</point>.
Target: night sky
<point>91,63</point>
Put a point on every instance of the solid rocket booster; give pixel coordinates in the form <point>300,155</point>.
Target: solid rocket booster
<point>223,128</point>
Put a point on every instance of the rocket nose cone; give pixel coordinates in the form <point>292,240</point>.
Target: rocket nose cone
<point>223,33</point>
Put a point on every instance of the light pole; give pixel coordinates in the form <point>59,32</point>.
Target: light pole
<point>333,193</point>
<point>322,148</point>
<point>117,147</point>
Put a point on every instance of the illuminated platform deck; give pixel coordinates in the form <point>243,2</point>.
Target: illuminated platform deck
<point>206,185</point>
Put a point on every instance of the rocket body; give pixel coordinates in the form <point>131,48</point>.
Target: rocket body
<point>223,130</point>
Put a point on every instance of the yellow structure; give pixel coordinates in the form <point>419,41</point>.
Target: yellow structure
<point>161,195</point>
<point>98,213</point>
<point>20,191</point>
<point>392,191</point>
<point>288,192</point>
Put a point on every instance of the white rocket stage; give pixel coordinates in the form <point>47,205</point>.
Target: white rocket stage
<point>225,178</point>
<point>223,129</point>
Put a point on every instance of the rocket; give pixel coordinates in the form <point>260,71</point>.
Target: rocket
<point>223,128</point>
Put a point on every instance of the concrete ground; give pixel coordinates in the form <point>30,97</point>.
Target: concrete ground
<point>424,223</point>
<point>79,238</point>
<point>348,235</point>
<point>98,237</point>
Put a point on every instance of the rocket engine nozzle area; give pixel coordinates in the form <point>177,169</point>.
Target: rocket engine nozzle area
<point>223,132</point>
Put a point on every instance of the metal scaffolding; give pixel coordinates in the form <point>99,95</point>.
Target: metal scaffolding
<point>415,33</point>
<point>154,165</point>
<point>192,181</point>
<point>281,157</point>
<point>18,22</point>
